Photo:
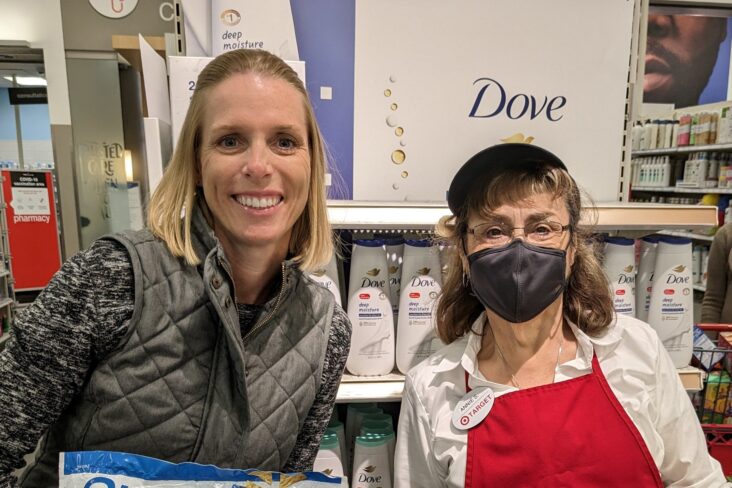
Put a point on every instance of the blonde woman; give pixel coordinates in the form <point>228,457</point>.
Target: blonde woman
<point>541,383</point>
<point>199,338</point>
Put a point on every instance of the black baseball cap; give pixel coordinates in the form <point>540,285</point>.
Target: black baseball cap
<point>491,161</point>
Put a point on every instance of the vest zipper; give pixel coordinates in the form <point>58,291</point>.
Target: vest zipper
<point>266,319</point>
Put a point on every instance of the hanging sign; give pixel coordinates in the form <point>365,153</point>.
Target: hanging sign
<point>35,95</point>
<point>114,9</point>
<point>436,82</point>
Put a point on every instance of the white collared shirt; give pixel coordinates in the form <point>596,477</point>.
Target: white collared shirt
<point>430,452</point>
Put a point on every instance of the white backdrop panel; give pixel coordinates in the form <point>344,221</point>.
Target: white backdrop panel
<point>435,57</point>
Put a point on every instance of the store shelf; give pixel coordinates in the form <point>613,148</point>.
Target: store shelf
<point>683,150</point>
<point>5,302</point>
<point>677,189</point>
<point>700,288</point>
<point>359,389</point>
<point>689,235</point>
<point>355,215</point>
<point>692,378</point>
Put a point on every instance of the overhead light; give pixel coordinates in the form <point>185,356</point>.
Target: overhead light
<point>27,80</point>
<point>128,165</point>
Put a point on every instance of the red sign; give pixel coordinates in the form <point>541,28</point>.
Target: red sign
<point>414,294</point>
<point>668,291</point>
<point>620,292</point>
<point>364,296</point>
<point>30,210</point>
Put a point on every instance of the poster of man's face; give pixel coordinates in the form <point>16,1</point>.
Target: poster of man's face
<point>687,56</point>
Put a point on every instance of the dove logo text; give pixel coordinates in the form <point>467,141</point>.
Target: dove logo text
<point>492,100</point>
<point>375,283</point>
<point>422,281</point>
<point>625,279</point>
<point>674,279</point>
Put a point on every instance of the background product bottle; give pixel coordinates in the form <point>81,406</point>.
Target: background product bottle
<point>644,277</point>
<point>370,312</point>
<point>619,266</point>
<point>370,427</point>
<point>646,135</point>
<point>684,129</point>
<point>667,171</point>
<point>653,140</point>
<point>371,463</point>
<point>354,418</point>
<point>328,278</point>
<point>422,276</point>
<point>635,135</point>
<point>704,265</point>
<point>446,253</point>
<point>337,426</point>
<point>696,264</point>
<point>328,460</point>
<point>670,311</point>
<point>394,256</point>
<point>675,134</point>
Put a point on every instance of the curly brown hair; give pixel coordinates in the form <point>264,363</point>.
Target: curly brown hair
<point>587,300</point>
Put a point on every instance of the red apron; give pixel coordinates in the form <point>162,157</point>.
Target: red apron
<point>569,434</point>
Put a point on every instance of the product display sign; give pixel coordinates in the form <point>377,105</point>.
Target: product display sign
<point>32,227</point>
<point>436,82</point>
<point>184,72</point>
<point>253,24</point>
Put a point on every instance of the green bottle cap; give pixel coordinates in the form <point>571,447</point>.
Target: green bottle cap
<point>371,440</point>
<point>329,441</point>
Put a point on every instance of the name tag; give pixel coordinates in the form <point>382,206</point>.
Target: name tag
<point>473,408</point>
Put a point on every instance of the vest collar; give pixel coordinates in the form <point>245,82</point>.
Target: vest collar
<point>207,246</point>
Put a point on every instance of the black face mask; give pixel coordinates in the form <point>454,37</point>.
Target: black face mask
<point>518,281</point>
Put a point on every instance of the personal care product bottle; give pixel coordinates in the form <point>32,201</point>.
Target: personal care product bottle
<point>418,302</point>
<point>328,278</point>
<point>619,267</point>
<point>644,278</point>
<point>394,255</point>
<point>370,311</point>
<point>670,311</point>
<point>328,459</point>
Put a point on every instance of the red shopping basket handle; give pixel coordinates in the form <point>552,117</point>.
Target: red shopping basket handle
<point>716,327</point>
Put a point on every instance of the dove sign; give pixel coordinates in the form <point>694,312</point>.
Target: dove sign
<point>492,99</point>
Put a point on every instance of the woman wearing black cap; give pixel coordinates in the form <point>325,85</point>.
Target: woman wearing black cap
<point>541,383</point>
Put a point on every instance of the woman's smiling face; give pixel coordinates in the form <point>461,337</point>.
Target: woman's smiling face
<point>255,160</point>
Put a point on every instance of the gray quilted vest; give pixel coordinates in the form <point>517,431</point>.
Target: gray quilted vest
<point>183,385</point>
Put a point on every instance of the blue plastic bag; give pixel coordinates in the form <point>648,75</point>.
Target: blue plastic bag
<point>107,469</point>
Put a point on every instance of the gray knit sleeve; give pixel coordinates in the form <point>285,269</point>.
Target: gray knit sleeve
<point>77,320</point>
<point>308,439</point>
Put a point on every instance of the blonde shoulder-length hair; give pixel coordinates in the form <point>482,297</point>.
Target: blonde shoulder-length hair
<point>311,242</point>
<point>587,300</point>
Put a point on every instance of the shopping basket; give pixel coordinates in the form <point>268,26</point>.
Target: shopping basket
<point>714,402</point>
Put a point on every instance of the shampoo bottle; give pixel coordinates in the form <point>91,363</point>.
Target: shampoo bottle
<point>670,311</point>
<point>644,278</point>
<point>370,312</point>
<point>394,256</point>
<point>422,277</point>
<point>327,277</point>
<point>619,266</point>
